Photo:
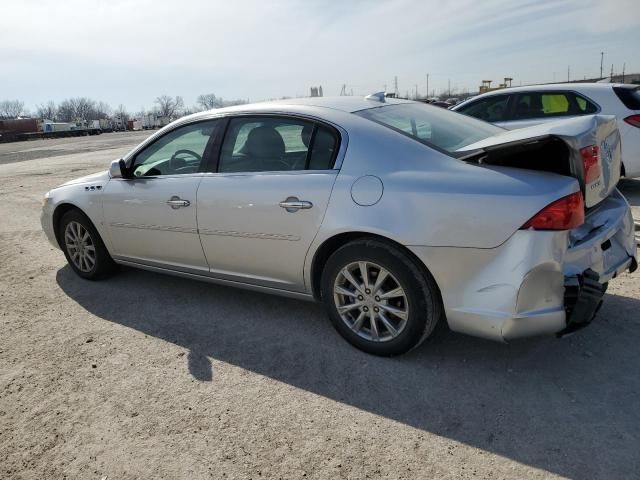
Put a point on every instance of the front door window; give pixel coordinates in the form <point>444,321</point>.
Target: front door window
<point>181,151</point>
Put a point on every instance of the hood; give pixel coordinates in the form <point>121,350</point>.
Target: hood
<point>96,178</point>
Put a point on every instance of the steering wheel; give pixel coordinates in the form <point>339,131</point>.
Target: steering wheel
<point>174,157</point>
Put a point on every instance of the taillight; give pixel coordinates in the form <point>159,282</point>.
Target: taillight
<point>590,163</point>
<point>633,120</point>
<point>563,214</point>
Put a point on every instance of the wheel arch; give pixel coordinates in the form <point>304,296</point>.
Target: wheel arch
<point>59,212</point>
<point>331,244</point>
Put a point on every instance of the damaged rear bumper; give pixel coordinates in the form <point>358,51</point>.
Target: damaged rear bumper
<point>537,282</point>
<point>583,295</point>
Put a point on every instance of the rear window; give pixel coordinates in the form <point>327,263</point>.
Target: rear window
<point>630,96</point>
<point>441,129</point>
<point>585,105</point>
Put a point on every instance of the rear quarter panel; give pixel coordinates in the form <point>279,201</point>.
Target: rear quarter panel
<point>432,199</point>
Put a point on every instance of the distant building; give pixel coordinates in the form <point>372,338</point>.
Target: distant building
<point>316,91</point>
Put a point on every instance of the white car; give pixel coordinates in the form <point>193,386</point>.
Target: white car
<point>520,107</point>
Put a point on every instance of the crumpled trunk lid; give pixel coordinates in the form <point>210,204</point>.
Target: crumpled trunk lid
<point>556,147</point>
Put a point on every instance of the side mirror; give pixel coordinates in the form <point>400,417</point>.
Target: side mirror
<point>118,169</point>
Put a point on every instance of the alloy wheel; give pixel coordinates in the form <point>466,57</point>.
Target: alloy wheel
<point>80,246</point>
<point>371,301</point>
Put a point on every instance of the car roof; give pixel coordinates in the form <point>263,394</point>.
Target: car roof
<point>578,87</point>
<point>347,104</point>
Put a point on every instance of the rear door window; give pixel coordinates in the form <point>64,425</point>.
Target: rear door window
<point>551,104</point>
<point>267,144</point>
<point>492,109</point>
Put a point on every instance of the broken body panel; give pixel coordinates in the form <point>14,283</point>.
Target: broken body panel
<point>559,147</point>
<point>543,282</point>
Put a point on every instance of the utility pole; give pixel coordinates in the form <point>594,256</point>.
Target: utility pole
<point>395,84</point>
<point>449,87</point>
<point>416,91</point>
<point>427,84</point>
<point>568,73</point>
<point>623,67</point>
<point>611,76</point>
<point>601,60</point>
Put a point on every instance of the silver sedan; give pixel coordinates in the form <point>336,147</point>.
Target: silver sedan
<point>396,215</point>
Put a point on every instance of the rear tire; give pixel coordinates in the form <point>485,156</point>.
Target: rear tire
<point>83,247</point>
<point>389,309</point>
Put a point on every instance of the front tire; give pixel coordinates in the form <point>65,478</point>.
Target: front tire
<point>379,298</point>
<point>83,247</point>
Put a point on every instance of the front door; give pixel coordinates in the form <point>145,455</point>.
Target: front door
<point>259,213</point>
<point>151,218</point>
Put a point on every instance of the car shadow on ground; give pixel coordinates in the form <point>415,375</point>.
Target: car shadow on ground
<point>567,406</point>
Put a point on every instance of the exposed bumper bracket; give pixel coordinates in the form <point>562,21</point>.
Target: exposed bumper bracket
<point>583,298</point>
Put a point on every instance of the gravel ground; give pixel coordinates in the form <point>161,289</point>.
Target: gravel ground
<point>150,376</point>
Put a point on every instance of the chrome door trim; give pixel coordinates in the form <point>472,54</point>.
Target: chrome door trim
<point>163,228</point>
<point>216,280</point>
<point>262,236</point>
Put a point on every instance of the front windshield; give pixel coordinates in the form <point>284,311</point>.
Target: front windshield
<point>436,127</point>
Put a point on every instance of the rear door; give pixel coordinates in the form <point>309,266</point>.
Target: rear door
<point>260,210</point>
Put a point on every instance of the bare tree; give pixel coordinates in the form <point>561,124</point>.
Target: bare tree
<point>121,111</point>
<point>11,108</point>
<point>121,116</point>
<point>47,111</point>
<point>190,110</point>
<point>209,101</point>
<point>66,111</point>
<point>103,110</point>
<point>169,107</point>
<point>230,103</point>
<point>85,108</point>
<point>82,109</point>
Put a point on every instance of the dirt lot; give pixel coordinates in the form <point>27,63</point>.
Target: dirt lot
<point>149,376</point>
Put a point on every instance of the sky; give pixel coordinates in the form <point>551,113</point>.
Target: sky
<point>129,52</point>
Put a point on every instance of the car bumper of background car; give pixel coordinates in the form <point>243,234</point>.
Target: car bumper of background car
<point>537,282</point>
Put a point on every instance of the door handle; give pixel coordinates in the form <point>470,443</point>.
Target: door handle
<point>293,204</point>
<point>176,202</point>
